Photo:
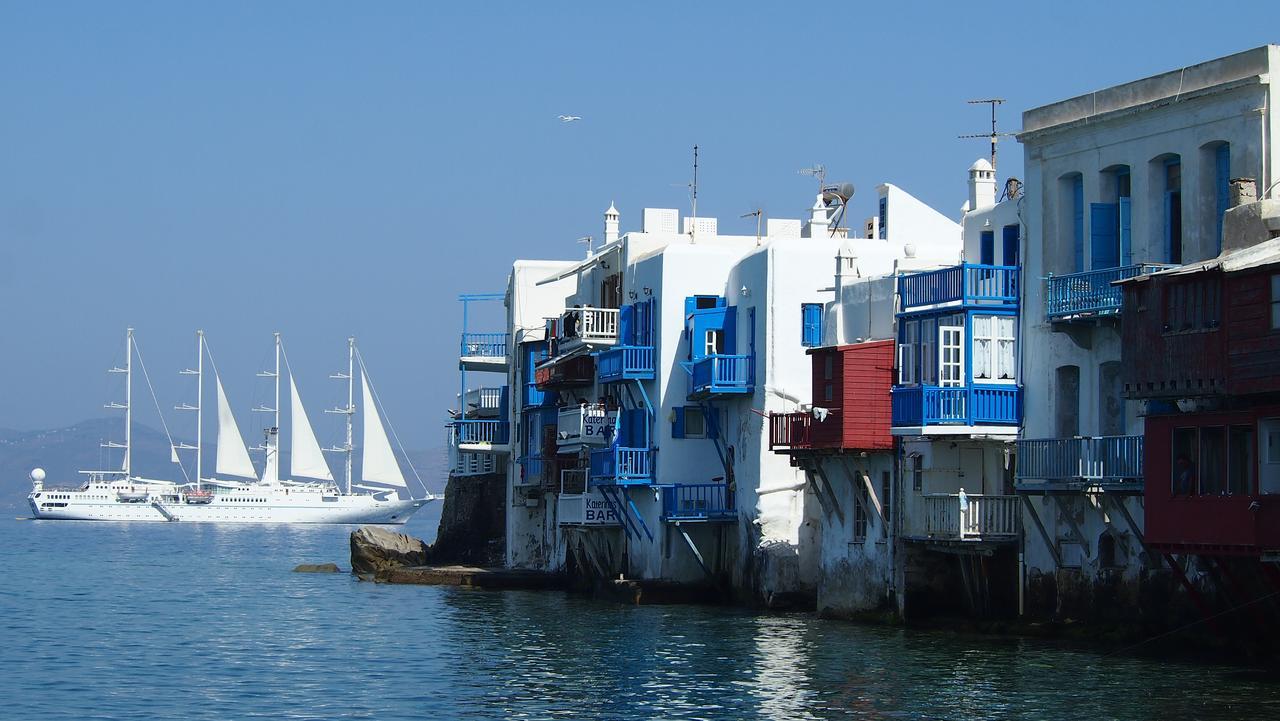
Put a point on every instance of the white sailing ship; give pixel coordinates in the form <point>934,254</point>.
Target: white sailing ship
<point>236,493</point>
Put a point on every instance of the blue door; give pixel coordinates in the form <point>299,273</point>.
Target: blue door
<point>1103,248</point>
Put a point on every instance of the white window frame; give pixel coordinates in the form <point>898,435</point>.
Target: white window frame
<point>711,341</point>
<point>907,355</point>
<point>957,365</point>
<point>994,339</point>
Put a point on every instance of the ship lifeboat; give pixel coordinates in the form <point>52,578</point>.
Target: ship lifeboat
<point>131,496</point>
<point>199,497</point>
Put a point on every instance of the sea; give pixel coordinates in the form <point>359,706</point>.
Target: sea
<point>191,621</point>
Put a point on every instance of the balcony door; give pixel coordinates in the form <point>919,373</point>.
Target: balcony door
<point>950,356</point>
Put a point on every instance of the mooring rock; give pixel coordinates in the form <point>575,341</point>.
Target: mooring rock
<point>317,568</point>
<point>375,549</point>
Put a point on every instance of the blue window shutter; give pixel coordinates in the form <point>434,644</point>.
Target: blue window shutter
<point>811,325</point>
<point>677,425</point>
<point>1103,223</point>
<point>712,421</point>
<point>1011,239</point>
<point>626,324</point>
<point>987,248</point>
<point>1077,200</point>
<point>1126,233</point>
<point>1223,157</point>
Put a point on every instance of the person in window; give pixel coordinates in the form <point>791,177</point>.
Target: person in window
<point>571,323</point>
<point>1184,476</point>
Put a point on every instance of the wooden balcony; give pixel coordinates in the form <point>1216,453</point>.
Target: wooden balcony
<point>626,362</point>
<point>967,284</point>
<point>588,326</point>
<point>719,375</point>
<point>622,466</point>
<point>954,517</point>
<point>1112,463</point>
<point>698,502</point>
<point>927,410</point>
<point>1092,293</point>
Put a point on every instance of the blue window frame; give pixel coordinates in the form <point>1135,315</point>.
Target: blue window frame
<point>1077,216</point>
<point>987,248</point>
<point>1222,162</point>
<point>811,325</point>
<point>1173,209</point>
<point>884,218</point>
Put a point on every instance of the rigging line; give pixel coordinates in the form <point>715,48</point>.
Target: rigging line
<point>376,399</point>
<point>156,401</point>
<point>1197,622</point>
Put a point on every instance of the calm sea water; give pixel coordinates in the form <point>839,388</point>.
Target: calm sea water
<point>160,621</point>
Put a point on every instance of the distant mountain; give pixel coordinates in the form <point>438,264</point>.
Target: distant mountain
<point>63,452</point>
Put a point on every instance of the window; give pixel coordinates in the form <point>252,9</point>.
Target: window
<point>884,218</point>
<point>987,248</point>
<point>859,516</point>
<point>828,367</point>
<point>1186,451</point>
<point>1011,239</point>
<point>688,422</point>
<point>907,353</point>
<point>951,356</point>
<point>885,496</point>
<point>811,325</point>
<point>1221,190</point>
<point>1212,460</point>
<point>917,472</point>
<point>1240,460</point>
<point>994,357</point>
<point>1191,305</point>
<point>713,343</point>
<point>1275,302</point>
<point>1173,208</point>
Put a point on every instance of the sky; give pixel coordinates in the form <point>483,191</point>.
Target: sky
<point>329,169</point>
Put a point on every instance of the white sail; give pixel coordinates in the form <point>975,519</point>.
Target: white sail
<point>233,457</point>
<point>305,457</point>
<point>379,463</point>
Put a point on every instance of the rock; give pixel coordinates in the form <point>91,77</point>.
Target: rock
<point>473,523</point>
<point>317,568</point>
<point>376,549</point>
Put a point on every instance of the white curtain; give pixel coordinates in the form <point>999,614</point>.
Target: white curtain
<point>1007,361</point>
<point>981,347</point>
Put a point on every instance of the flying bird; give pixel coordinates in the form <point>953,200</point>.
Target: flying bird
<point>569,118</point>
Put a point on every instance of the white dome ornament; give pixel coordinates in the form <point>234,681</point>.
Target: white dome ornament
<point>37,478</point>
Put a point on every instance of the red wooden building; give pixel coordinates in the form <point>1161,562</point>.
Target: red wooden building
<point>852,406</point>
<point>1202,345</point>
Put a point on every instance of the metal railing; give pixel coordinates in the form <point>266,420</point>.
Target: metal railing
<point>952,516</point>
<point>721,374</point>
<point>466,463</point>
<point>484,345</point>
<point>587,424</point>
<point>483,400</point>
<point>956,405</point>
<point>964,283</point>
<point>698,502</point>
<point>482,431</point>
<point>622,466</point>
<point>1103,459</point>
<point>589,325</point>
<point>1090,292</point>
<point>625,362</point>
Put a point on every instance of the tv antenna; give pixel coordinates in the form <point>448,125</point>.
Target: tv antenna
<point>587,241</point>
<point>819,171</point>
<point>693,225</point>
<point>993,135</point>
<point>758,213</point>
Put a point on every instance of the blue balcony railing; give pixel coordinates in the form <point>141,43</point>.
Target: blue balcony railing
<point>1104,461</point>
<point>998,405</point>
<point>718,374</point>
<point>482,431</point>
<point>622,466</point>
<point>1090,293</point>
<point>625,362</point>
<point>698,502</point>
<point>484,345</point>
<point>966,284</point>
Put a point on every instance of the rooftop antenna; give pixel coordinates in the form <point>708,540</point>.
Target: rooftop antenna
<point>819,171</point>
<point>993,135</point>
<point>693,225</point>
<point>587,240</point>
<point>758,213</point>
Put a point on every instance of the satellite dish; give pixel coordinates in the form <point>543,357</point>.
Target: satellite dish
<point>846,191</point>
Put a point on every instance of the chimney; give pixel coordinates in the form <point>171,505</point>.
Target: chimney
<point>982,185</point>
<point>1243,190</point>
<point>610,224</point>
<point>846,267</point>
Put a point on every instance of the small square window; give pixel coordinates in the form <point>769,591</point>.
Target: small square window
<point>695,423</point>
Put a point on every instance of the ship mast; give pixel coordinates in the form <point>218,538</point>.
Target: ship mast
<point>198,407</point>
<point>270,450</point>
<point>350,409</point>
<point>127,406</point>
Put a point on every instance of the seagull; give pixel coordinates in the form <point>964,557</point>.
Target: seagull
<point>569,118</point>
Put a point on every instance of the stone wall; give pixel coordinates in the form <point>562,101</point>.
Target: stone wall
<point>472,522</point>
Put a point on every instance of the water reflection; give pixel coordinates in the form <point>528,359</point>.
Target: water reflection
<point>202,622</point>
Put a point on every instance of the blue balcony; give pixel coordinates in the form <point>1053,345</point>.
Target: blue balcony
<point>625,362</point>
<point>481,435</point>
<point>1091,293</point>
<point>622,466</point>
<point>483,351</point>
<point>1113,463</point>
<point>962,406</point>
<point>698,502</point>
<point>967,284</point>
<point>721,375</point>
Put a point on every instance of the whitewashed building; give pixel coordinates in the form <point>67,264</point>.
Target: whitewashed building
<point>1121,181</point>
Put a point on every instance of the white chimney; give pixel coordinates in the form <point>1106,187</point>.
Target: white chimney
<point>819,219</point>
<point>982,185</point>
<point>846,267</point>
<point>610,224</point>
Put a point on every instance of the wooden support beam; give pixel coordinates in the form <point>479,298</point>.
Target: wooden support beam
<point>830,491</point>
<point>694,547</point>
<point>817,491</point>
<point>1196,598</point>
<point>1048,542</point>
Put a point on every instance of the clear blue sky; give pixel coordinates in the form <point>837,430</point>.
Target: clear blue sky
<point>328,169</point>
